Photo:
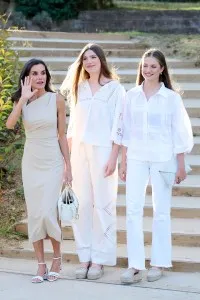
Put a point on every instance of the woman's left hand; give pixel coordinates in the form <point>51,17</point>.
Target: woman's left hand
<point>180,175</point>
<point>67,176</point>
<point>110,167</point>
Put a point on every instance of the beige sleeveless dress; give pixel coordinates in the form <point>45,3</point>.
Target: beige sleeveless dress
<point>42,167</point>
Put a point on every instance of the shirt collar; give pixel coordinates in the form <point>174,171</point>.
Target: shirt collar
<point>162,91</point>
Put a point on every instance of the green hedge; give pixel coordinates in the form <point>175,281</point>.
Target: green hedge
<point>59,9</point>
<point>170,1</point>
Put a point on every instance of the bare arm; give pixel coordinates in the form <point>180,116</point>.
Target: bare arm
<point>14,115</point>
<point>123,165</point>
<point>26,94</point>
<point>62,137</point>
<point>112,162</point>
<point>180,174</point>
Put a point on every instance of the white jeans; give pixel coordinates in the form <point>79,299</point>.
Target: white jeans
<point>138,173</point>
<point>95,230</point>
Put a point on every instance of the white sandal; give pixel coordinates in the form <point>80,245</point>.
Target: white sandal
<point>54,274</point>
<point>38,278</point>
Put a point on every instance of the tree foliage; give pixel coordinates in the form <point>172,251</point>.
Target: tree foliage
<point>59,9</point>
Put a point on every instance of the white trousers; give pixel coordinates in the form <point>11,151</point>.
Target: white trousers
<point>138,173</point>
<point>95,230</point>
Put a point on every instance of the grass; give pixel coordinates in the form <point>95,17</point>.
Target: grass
<point>185,46</point>
<point>153,5</point>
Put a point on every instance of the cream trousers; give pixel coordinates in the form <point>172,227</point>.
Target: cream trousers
<point>95,230</point>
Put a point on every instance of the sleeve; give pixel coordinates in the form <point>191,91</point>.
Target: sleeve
<point>116,133</point>
<point>126,122</point>
<point>181,128</point>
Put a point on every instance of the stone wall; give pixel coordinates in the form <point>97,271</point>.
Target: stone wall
<point>126,20</point>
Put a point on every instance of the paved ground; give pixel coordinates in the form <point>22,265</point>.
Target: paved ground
<point>19,287</point>
<point>15,284</point>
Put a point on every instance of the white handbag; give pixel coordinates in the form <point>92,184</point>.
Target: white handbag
<point>68,205</point>
<point>168,171</point>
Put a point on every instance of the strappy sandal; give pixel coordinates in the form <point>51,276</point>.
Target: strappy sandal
<point>38,278</point>
<point>54,274</point>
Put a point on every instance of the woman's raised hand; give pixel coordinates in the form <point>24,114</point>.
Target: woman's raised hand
<point>26,92</point>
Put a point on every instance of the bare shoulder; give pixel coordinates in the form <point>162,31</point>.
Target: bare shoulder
<point>60,101</point>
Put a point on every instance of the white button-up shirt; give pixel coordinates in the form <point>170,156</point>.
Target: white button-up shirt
<point>156,129</point>
<point>97,119</point>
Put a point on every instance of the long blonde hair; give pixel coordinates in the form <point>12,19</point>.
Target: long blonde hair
<point>77,73</point>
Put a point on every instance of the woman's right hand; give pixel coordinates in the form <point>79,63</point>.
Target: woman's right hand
<point>122,171</point>
<point>26,92</point>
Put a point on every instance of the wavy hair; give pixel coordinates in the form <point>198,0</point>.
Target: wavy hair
<point>77,73</point>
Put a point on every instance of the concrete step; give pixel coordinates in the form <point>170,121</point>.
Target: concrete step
<point>189,187</point>
<point>72,43</point>
<point>196,148</point>
<point>128,76</point>
<point>185,232</point>
<point>184,259</point>
<point>182,207</point>
<point>62,63</point>
<point>70,35</point>
<point>52,51</point>
<point>194,162</point>
<point>188,90</point>
<point>195,126</point>
<point>193,107</point>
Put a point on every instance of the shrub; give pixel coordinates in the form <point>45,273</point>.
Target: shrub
<point>10,141</point>
<point>43,20</point>
<point>59,9</point>
<point>18,19</point>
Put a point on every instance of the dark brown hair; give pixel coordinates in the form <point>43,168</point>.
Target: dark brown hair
<point>159,56</point>
<point>26,71</point>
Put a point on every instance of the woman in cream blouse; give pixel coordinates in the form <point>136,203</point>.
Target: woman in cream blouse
<point>94,135</point>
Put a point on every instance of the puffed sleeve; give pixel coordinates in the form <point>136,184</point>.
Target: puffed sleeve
<point>126,122</point>
<point>116,134</point>
<point>181,128</point>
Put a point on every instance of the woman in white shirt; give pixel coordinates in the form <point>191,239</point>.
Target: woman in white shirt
<point>156,135</point>
<point>94,134</point>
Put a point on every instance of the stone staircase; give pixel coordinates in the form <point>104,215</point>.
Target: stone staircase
<point>59,50</point>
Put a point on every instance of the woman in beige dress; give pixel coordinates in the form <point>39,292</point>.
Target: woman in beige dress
<point>45,163</point>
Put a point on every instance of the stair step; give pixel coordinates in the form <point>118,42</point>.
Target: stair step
<point>196,148</point>
<point>185,232</point>
<point>69,35</point>
<point>181,75</point>
<point>184,259</point>
<point>189,187</point>
<point>182,207</point>
<point>195,126</point>
<point>72,43</point>
<point>62,63</point>
<point>194,162</point>
<point>190,90</point>
<point>193,107</point>
<point>52,51</point>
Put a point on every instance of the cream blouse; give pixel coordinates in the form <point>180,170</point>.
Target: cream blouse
<point>97,119</point>
<point>156,129</point>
